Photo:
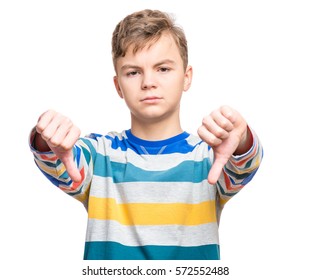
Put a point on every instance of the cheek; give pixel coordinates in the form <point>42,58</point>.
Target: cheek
<point>128,94</point>
<point>129,84</point>
<point>177,86</point>
<point>123,89</point>
<point>179,79</point>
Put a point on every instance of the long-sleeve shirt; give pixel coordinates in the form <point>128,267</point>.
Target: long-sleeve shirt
<point>150,199</point>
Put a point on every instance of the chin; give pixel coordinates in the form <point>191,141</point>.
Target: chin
<point>151,117</point>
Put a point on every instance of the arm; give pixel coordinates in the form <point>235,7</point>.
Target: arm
<point>62,157</point>
<point>239,170</point>
<point>236,149</point>
<point>56,133</point>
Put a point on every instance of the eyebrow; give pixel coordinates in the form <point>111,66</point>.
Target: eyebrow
<point>165,61</point>
<point>133,66</point>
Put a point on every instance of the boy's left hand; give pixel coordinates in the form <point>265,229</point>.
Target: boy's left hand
<point>226,131</point>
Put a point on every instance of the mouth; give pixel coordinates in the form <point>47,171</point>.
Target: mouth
<point>151,99</point>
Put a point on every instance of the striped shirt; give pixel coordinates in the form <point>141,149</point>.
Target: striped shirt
<point>150,199</point>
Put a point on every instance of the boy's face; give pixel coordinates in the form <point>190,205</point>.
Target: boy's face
<point>152,80</point>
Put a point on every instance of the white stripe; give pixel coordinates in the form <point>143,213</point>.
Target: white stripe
<point>158,162</point>
<point>193,140</point>
<point>153,192</point>
<point>148,162</point>
<point>172,235</point>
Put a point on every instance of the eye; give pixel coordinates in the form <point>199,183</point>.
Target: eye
<point>132,73</point>
<point>164,69</point>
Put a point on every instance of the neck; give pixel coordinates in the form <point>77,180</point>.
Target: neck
<point>156,130</point>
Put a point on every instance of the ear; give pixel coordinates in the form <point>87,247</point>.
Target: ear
<point>117,86</point>
<point>188,78</point>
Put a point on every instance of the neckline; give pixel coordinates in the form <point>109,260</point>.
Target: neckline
<point>155,143</point>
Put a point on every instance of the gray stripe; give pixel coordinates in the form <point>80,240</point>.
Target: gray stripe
<point>153,192</point>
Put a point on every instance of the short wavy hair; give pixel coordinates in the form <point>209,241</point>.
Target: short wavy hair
<point>146,27</point>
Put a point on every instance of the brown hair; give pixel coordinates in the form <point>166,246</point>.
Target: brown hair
<point>146,27</point>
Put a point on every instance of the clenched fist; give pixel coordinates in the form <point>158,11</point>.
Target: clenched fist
<point>57,133</point>
<point>226,131</point>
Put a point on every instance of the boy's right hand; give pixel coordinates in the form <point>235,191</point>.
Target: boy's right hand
<point>59,134</point>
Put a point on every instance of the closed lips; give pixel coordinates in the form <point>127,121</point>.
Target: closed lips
<point>151,98</point>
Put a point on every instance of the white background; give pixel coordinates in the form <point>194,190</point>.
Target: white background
<point>252,55</point>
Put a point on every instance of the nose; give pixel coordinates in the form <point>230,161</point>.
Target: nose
<point>148,80</point>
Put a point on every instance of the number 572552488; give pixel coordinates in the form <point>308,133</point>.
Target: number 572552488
<point>201,270</point>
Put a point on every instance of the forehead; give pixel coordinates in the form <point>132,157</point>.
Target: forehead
<point>163,48</point>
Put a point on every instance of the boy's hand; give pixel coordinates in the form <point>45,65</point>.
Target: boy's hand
<point>59,134</point>
<point>226,131</point>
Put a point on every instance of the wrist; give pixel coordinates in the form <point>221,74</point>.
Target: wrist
<point>245,144</point>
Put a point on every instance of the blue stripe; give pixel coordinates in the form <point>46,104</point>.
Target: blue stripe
<point>93,152</point>
<point>223,192</point>
<point>249,178</point>
<point>53,180</point>
<point>57,182</point>
<point>235,175</point>
<point>234,183</point>
<point>102,250</point>
<point>76,154</point>
<point>48,163</point>
<point>95,136</point>
<point>187,171</point>
<point>176,144</point>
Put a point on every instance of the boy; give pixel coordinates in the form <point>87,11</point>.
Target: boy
<point>153,191</point>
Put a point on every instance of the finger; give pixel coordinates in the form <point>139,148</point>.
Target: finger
<point>61,133</point>
<point>229,114</point>
<point>71,167</point>
<point>213,127</point>
<point>71,138</point>
<point>208,137</point>
<point>215,172</point>
<point>44,120</point>
<point>52,125</point>
<point>223,118</point>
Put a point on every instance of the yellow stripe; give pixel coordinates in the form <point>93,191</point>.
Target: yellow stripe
<point>50,170</point>
<point>84,195</point>
<point>223,201</point>
<point>152,213</point>
<point>255,164</point>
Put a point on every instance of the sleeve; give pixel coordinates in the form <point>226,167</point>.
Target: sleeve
<point>84,151</point>
<point>239,171</point>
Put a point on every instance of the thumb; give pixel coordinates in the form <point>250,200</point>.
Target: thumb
<point>71,167</point>
<point>215,171</point>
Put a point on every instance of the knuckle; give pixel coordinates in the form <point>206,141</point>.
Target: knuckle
<point>219,133</point>
<point>225,108</point>
<point>39,127</point>
<point>214,141</point>
<point>227,111</point>
<point>200,130</point>
<point>58,116</point>
<point>226,126</point>
<point>229,115</point>
<point>67,121</point>
<point>214,113</point>
<point>47,114</point>
<point>66,146</point>
<point>51,112</point>
<point>54,142</point>
<point>206,120</point>
<point>46,136</point>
